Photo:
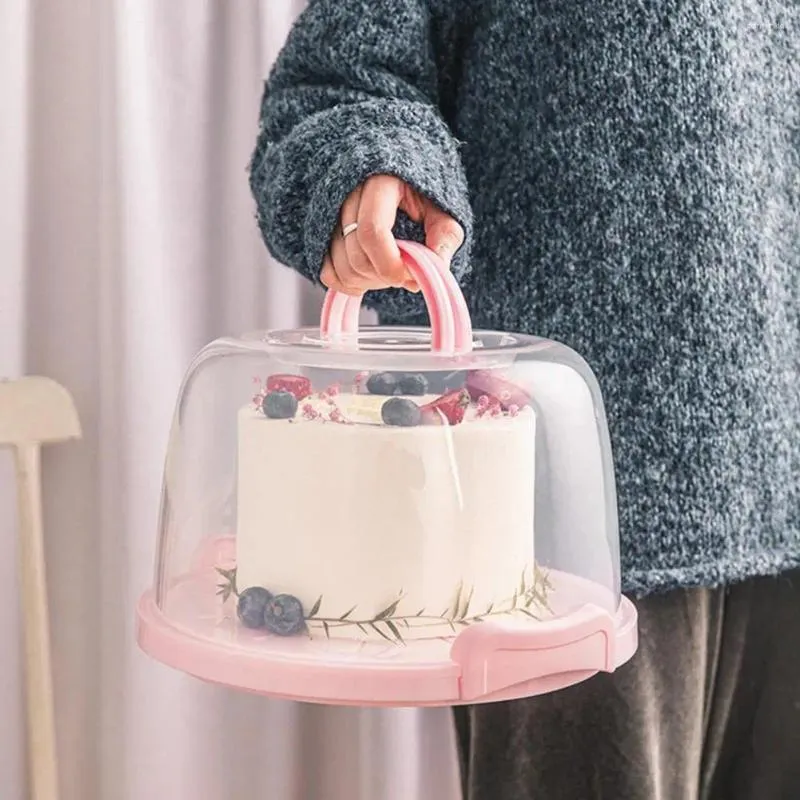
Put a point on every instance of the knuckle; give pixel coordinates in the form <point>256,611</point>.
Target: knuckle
<point>452,232</point>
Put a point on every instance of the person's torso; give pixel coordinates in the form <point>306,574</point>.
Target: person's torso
<point>634,174</point>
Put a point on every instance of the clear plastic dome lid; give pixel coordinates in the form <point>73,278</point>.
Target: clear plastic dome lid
<point>391,515</point>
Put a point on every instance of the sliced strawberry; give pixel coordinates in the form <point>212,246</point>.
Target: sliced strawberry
<point>297,385</point>
<point>449,408</point>
<point>482,383</point>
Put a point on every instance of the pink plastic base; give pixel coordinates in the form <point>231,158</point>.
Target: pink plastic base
<point>486,662</point>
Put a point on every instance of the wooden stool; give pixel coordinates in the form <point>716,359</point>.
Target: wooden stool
<point>36,411</point>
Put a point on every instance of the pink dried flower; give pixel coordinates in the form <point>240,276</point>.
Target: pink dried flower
<point>309,412</point>
<point>483,402</point>
<point>513,410</point>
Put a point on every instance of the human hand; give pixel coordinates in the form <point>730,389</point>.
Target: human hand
<point>368,257</point>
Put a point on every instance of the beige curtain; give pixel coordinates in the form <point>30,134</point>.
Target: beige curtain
<point>126,242</point>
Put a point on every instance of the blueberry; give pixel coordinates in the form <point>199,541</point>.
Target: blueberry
<point>454,380</point>
<point>279,405</point>
<point>383,383</point>
<point>284,615</point>
<point>401,412</point>
<point>413,383</point>
<point>251,605</point>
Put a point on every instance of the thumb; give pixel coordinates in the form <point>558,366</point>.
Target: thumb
<point>442,233</point>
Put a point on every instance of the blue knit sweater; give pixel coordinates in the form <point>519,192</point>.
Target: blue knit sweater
<point>628,174</point>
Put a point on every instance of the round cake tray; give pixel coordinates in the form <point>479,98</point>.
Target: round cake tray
<point>485,662</point>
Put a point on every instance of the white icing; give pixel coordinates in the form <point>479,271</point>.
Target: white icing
<point>359,512</point>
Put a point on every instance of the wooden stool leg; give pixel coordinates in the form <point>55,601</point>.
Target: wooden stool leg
<point>36,629</point>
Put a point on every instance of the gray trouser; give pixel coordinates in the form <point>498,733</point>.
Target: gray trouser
<point>708,709</point>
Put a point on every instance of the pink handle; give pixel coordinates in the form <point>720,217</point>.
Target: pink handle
<point>494,657</point>
<point>451,327</point>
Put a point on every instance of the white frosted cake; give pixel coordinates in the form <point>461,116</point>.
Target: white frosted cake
<point>334,503</point>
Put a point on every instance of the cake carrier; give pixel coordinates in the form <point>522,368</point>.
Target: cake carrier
<point>389,516</point>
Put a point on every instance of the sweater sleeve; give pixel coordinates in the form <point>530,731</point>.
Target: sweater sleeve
<point>352,94</point>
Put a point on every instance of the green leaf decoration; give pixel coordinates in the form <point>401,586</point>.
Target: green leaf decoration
<point>224,591</point>
<point>457,601</point>
<point>393,628</point>
<point>229,587</point>
<point>376,628</point>
<point>542,577</point>
<point>389,610</point>
<point>315,608</point>
<point>531,594</point>
<point>228,574</point>
<point>465,609</point>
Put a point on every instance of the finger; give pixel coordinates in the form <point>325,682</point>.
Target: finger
<point>348,213</point>
<point>376,217</point>
<point>358,259</point>
<point>330,279</point>
<point>442,233</point>
<point>351,278</point>
<point>356,286</point>
<point>348,277</point>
